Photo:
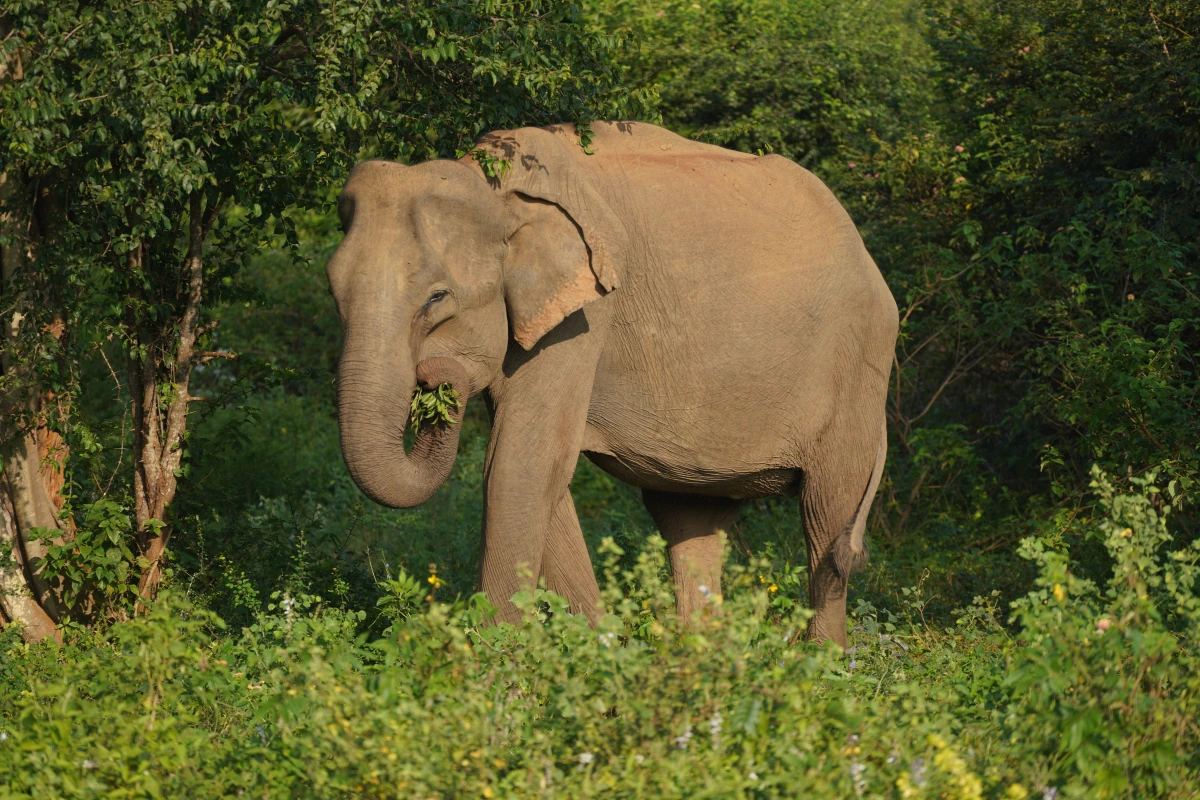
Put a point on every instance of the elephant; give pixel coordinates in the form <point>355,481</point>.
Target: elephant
<point>701,323</point>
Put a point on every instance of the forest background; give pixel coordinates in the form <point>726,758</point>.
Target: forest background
<point>235,616</point>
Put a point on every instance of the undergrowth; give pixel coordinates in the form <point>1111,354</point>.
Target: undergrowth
<point>1088,690</point>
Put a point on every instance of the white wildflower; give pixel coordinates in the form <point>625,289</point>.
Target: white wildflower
<point>288,608</point>
<point>586,758</point>
<point>918,772</point>
<point>682,741</point>
<point>856,776</point>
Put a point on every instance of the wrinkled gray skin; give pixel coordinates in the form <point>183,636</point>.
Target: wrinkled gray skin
<point>703,324</point>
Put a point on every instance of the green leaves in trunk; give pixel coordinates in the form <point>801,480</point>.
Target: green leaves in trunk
<point>433,407</point>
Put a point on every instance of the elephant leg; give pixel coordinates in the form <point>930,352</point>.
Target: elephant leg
<point>690,524</point>
<point>566,564</point>
<point>540,415</point>
<point>525,485</point>
<point>829,503</point>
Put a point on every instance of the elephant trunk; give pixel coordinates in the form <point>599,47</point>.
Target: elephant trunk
<point>373,410</point>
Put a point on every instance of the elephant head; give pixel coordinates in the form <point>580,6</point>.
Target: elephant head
<point>439,269</point>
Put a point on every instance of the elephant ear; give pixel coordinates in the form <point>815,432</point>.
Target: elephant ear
<point>548,273</point>
<point>564,240</point>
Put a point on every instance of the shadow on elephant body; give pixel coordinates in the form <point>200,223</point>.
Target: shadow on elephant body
<point>574,325</point>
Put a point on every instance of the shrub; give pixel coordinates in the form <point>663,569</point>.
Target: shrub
<point>1093,696</point>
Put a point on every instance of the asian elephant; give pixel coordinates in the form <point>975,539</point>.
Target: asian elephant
<point>701,323</point>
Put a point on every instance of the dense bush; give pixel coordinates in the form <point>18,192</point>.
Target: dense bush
<point>1096,695</point>
<point>1040,234</point>
<point>802,79</point>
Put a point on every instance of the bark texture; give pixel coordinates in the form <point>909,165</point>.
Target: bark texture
<point>158,384</point>
<point>31,454</point>
<point>30,497</point>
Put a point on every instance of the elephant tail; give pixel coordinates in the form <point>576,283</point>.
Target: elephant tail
<point>850,551</point>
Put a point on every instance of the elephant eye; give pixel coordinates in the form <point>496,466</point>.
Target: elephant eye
<point>440,294</point>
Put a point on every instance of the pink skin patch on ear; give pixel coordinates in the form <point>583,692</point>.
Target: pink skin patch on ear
<point>568,300</point>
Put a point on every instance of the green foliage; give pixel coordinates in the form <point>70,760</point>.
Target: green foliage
<point>1092,699</point>
<point>493,167</point>
<point>400,597</point>
<point>1055,245</point>
<point>801,79</point>
<point>433,407</point>
<point>1023,172</point>
<point>96,563</point>
<point>1103,681</point>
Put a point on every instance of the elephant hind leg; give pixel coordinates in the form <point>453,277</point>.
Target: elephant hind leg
<point>690,524</point>
<point>850,550</point>
<point>566,564</point>
<point>834,504</point>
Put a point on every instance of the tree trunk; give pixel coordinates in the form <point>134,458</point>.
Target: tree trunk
<point>30,497</point>
<point>31,455</point>
<point>160,417</point>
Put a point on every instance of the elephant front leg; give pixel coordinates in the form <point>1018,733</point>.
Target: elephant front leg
<point>567,565</point>
<point>516,529</point>
<point>531,531</point>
